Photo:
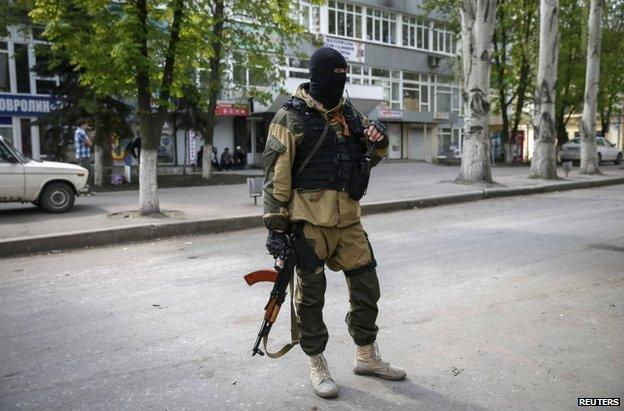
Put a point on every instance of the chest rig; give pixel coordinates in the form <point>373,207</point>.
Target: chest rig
<point>335,163</point>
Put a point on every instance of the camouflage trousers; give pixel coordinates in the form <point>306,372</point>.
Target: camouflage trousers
<point>346,249</point>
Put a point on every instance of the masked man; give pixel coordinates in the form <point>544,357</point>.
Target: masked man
<point>315,174</point>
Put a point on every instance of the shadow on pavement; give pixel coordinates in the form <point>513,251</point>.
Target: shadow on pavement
<point>414,396</point>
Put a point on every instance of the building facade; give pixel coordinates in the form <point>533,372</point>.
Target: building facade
<point>400,71</point>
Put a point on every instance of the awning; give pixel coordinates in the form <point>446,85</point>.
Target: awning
<point>363,105</point>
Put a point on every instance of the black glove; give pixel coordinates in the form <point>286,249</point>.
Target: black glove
<point>276,242</point>
<point>381,127</point>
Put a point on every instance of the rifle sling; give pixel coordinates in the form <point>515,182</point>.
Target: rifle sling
<point>294,329</point>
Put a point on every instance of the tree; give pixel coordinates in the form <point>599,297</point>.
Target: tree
<point>477,24</point>
<point>249,35</point>
<point>544,161</point>
<point>611,92</point>
<point>589,154</point>
<point>571,70</point>
<point>514,59</point>
<point>132,49</point>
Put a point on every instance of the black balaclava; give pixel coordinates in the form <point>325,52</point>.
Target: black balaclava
<point>328,75</point>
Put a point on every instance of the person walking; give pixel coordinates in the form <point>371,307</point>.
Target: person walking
<point>313,161</point>
<point>82,149</point>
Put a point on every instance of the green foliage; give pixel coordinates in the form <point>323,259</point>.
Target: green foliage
<point>611,92</point>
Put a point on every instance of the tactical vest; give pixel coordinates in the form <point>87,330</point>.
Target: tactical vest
<point>332,167</point>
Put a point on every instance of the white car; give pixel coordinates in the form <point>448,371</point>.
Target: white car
<point>50,185</point>
<point>571,151</point>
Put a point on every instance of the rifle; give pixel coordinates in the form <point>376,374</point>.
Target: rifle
<point>281,275</point>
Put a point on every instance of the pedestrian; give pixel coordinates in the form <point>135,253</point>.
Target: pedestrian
<point>82,149</point>
<point>136,149</point>
<point>240,158</point>
<point>226,159</point>
<point>214,159</point>
<point>200,157</point>
<point>315,147</point>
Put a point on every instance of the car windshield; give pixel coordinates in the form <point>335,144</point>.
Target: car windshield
<point>18,154</point>
<point>576,141</point>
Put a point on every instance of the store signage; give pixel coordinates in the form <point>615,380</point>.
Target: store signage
<point>351,50</point>
<point>192,147</point>
<point>232,109</point>
<point>26,105</point>
<point>390,114</point>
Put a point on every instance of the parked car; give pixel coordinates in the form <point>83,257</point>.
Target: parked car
<point>571,151</point>
<point>50,185</point>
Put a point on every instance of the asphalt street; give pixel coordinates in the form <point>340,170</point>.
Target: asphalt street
<point>514,303</point>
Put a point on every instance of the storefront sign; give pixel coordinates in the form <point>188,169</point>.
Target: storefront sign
<point>192,147</point>
<point>351,50</point>
<point>387,113</point>
<point>232,109</point>
<point>25,105</point>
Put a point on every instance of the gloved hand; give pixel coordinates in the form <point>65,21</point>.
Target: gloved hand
<point>376,131</point>
<point>275,243</point>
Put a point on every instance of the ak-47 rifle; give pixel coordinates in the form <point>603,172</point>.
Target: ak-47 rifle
<point>281,276</point>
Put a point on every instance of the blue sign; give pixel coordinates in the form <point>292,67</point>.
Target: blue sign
<point>24,105</point>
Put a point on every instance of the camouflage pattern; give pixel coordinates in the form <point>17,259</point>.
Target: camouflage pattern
<point>326,208</point>
<point>331,228</point>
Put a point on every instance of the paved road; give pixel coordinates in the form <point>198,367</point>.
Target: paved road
<point>510,303</point>
<point>391,181</point>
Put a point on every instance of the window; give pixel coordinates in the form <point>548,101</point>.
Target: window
<point>444,141</point>
<point>391,88</point>
<point>380,26</point>
<point>22,68</point>
<point>415,32</point>
<point>443,39</point>
<point>455,100</point>
<point>298,68</point>
<point>345,19</point>
<point>306,15</point>
<point>411,98</point>
<point>5,85</point>
<point>443,99</point>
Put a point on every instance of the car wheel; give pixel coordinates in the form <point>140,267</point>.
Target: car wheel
<point>618,159</point>
<point>57,198</point>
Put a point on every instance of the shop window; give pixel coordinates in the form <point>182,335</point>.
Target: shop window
<point>45,86</point>
<point>7,132</point>
<point>22,69</point>
<point>166,150</point>
<point>444,141</point>
<point>5,84</point>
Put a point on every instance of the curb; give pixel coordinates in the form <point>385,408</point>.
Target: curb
<point>145,232</point>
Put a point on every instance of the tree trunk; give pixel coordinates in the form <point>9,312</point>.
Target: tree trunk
<point>477,19</point>
<point>214,82</point>
<point>589,154</point>
<point>207,161</point>
<point>544,161</point>
<point>148,194</point>
<point>98,167</point>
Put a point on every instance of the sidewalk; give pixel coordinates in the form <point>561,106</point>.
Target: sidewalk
<point>221,208</point>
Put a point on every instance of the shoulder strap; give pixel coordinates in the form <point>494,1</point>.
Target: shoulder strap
<point>314,149</point>
<point>294,330</point>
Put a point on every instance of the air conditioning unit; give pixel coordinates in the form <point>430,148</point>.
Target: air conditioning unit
<point>434,61</point>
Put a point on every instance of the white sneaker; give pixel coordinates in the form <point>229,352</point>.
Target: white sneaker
<point>322,381</point>
<point>368,362</point>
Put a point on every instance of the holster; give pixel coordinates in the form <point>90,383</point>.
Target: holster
<point>307,260</point>
<point>360,178</point>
